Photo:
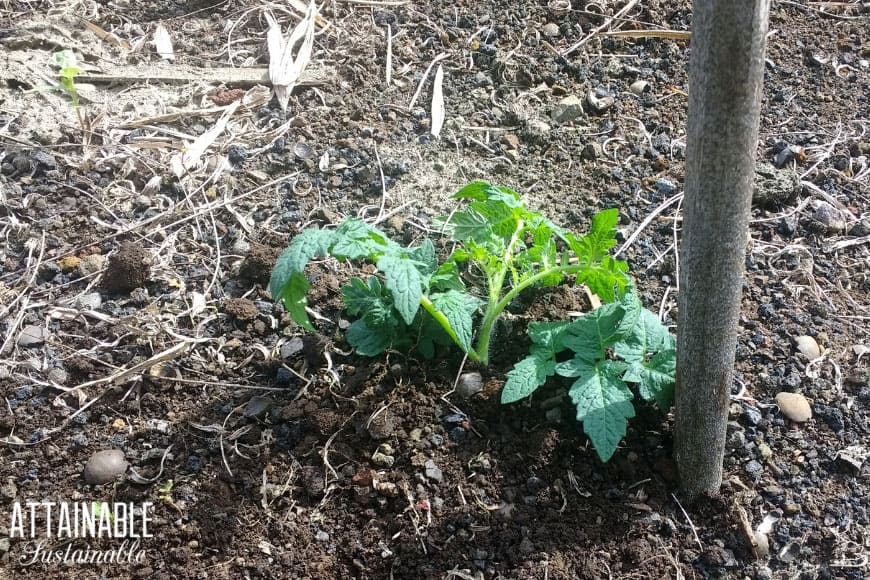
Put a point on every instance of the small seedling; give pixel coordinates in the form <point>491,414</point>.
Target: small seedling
<point>501,249</point>
<point>101,507</point>
<point>69,70</point>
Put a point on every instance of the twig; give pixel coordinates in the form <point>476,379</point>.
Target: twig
<point>425,76</point>
<point>595,32</point>
<point>667,203</point>
<point>688,519</point>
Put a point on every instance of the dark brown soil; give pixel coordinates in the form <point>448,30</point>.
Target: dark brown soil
<point>289,456</point>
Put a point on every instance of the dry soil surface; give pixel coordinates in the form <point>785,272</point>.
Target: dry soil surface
<point>134,313</point>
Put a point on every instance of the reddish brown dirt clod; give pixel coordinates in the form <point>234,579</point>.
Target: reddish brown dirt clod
<point>129,268</point>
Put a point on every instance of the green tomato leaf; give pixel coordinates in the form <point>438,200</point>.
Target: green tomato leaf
<point>607,278</point>
<point>548,335</point>
<point>592,333</point>
<point>293,294</point>
<point>305,246</point>
<point>645,337</point>
<point>446,277</point>
<point>368,341</point>
<point>656,378</point>
<point>474,190</point>
<point>369,301</point>
<point>527,375</point>
<point>602,273</point>
<point>459,309</point>
<point>424,255</point>
<point>604,406</point>
<point>355,239</point>
<point>430,334</point>
<point>404,282</point>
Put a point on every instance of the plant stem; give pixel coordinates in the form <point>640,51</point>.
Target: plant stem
<point>445,324</point>
<point>493,311</point>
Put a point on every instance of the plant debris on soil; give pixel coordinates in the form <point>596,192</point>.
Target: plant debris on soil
<point>139,231</point>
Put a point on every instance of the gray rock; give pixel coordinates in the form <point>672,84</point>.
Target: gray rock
<point>32,335</point>
<point>598,102</point>
<point>469,384</point>
<point>90,301</point>
<point>794,406</point>
<point>257,406</point>
<point>568,109</point>
<point>787,155</point>
<point>383,460</point>
<point>753,467</point>
<point>592,151</point>
<point>322,536</point>
<point>808,347</point>
<point>58,375</point>
<point>762,545</point>
<point>433,472</point>
<point>736,437</point>
<point>536,129</point>
<point>105,466</point>
<point>752,414</point>
<point>526,546</point>
<point>774,186</point>
<point>9,490</point>
<point>665,186</point>
<point>827,219</point>
<point>241,247</point>
<point>91,264</point>
<point>639,87</point>
<point>551,29</point>
<point>292,347</point>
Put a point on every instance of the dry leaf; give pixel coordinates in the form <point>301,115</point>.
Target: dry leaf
<point>284,68</point>
<point>187,159</point>
<point>438,102</point>
<point>163,43</point>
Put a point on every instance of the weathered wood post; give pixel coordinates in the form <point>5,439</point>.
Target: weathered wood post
<point>726,71</point>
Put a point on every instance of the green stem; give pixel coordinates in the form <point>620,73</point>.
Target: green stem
<point>445,324</point>
<point>493,311</point>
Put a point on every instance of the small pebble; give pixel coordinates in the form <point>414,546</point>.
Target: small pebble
<point>383,460</point>
<point>752,414</point>
<point>639,87</point>
<point>91,264</point>
<point>598,102</point>
<point>433,472</point>
<point>567,109</point>
<point>791,508</point>
<point>551,29</point>
<point>32,335</point>
<point>90,301</point>
<point>469,384</point>
<point>827,219</point>
<point>808,347</point>
<point>257,406</point>
<point>58,375</point>
<point>762,545</point>
<point>292,347</point>
<point>794,406</point>
<point>665,186</point>
<point>104,466</point>
<point>753,467</point>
